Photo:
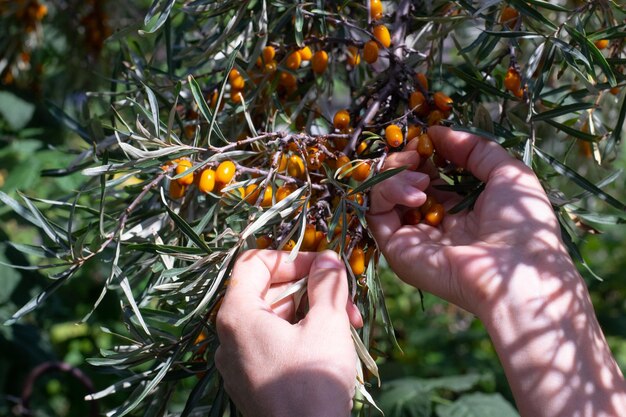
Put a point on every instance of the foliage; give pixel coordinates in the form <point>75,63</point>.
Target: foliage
<point>537,77</point>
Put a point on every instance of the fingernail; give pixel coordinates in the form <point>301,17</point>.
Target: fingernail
<point>328,260</point>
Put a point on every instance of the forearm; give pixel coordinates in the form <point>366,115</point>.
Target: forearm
<point>552,348</point>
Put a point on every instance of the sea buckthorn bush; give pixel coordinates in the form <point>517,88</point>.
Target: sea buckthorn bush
<point>232,125</point>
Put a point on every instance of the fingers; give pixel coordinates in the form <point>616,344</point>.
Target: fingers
<point>406,188</point>
<point>255,270</point>
<point>476,154</point>
<point>328,285</point>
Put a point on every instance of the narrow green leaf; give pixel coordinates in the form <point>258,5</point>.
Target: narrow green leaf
<point>184,227</point>
<point>559,111</point>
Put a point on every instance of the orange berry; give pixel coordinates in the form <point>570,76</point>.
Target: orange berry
<point>393,136</point>
<point>361,148</point>
<point>354,57</point>
<point>512,80</point>
<point>434,216</point>
<point>295,167</point>
<point>382,34</point>
<point>376,9</point>
<point>282,165</point>
<point>602,43</point>
<point>268,54</point>
<point>314,159</point>
<point>434,117</point>
<point>412,132</point>
<point>252,193</point>
<point>238,83</point>
<point>412,216</point>
<point>236,96</point>
<point>207,181</point>
<point>320,62</point>
<point>287,79</point>
<point>289,245</point>
<point>422,80</point>
<point>267,196</point>
<point>234,73</point>
<point>357,261</point>
<point>509,17</point>
<point>176,190</point>
<point>442,101</point>
<point>343,165</point>
<point>263,242</point>
<point>270,67</point>
<point>225,172</point>
<point>430,201</point>
<point>305,53</point>
<point>615,91</point>
<point>417,102</point>
<point>323,243</point>
<point>293,61</point>
<point>184,165</point>
<point>425,146</point>
<point>283,191</point>
<point>341,120</point>
<point>370,52</point>
<point>309,240</point>
<point>361,171</point>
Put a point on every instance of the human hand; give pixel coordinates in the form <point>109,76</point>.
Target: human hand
<point>470,259</point>
<point>272,367</point>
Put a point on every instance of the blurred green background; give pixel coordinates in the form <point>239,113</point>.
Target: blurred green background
<point>50,67</point>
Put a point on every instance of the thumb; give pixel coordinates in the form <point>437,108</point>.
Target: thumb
<point>328,285</point>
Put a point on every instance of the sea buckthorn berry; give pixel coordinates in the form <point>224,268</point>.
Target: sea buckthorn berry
<point>176,190</point>
<point>293,61</point>
<point>343,165</point>
<point>412,217</point>
<point>509,17</point>
<point>370,52</point>
<point>319,62</point>
<point>236,96</point>
<point>295,167</point>
<point>356,197</point>
<point>305,53</point>
<point>314,159</point>
<point>382,34</point>
<point>376,9</point>
<point>289,245</point>
<point>601,43</point>
<point>184,165</point>
<point>361,171</point>
<point>287,79</point>
<point>341,120</point>
<point>309,240</point>
<point>323,243</point>
<point>268,54</point>
<point>238,83</point>
<point>267,196</point>
<point>412,132</point>
<point>233,74</point>
<point>207,181</point>
<point>512,80</point>
<point>357,261</point>
<point>425,146</point>
<point>252,193</point>
<point>263,242</point>
<point>354,57</point>
<point>434,118</point>
<point>442,101</point>
<point>434,216</point>
<point>282,164</point>
<point>283,191</point>
<point>422,80</point>
<point>225,172</point>
<point>393,136</point>
<point>430,201</point>
<point>270,67</point>
<point>615,91</point>
<point>361,148</point>
<point>417,103</point>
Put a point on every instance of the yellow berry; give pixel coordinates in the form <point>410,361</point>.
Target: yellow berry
<point>382,34</point>
<point>207,181</point>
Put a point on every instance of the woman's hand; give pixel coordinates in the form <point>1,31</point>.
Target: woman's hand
<point>272,367</point>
